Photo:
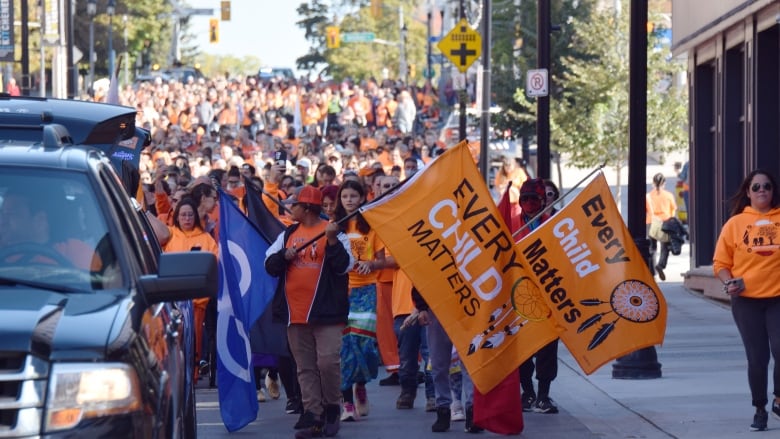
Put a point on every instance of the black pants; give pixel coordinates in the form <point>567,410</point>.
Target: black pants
<point>663,258</point>
<point>546,367</point>
<point>758,322</point>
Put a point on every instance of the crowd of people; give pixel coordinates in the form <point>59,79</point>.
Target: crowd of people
<point>318,152</point>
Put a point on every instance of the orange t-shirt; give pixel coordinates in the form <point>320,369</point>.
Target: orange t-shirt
<point>303,272</point>
<point>364,248</point>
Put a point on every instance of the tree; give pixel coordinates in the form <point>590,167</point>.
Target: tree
<point>144,23</point>
<point>362,60</point>
<point>514,50</point>
<point>589,123</point>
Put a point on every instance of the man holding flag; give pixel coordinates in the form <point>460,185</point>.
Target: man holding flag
<point>311,258</point>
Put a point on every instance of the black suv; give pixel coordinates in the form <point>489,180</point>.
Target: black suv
<point>95,323</point>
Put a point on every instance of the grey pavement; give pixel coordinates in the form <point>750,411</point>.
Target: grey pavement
<point>703,391</point>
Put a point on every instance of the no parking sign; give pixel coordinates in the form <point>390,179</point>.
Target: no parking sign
<point>536,82</point>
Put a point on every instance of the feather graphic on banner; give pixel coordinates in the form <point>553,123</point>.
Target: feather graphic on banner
<point>590,322</point>
<point>602,334</point>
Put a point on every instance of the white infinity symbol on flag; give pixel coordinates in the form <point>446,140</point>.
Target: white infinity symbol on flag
<point>225,316</point>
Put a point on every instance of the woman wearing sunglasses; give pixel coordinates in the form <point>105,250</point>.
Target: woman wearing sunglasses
<point>747,260</point>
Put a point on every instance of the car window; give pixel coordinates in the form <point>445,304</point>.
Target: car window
<point>52,231</point>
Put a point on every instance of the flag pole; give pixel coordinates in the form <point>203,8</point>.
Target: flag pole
<point>352,215</point>
<point>560,199</point>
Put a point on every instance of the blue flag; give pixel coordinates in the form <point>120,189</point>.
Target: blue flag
<point>245,291</point>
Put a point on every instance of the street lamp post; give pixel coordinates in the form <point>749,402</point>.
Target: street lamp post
<point>127,59</point>
<point>111,9</point>
<point>91,11</point>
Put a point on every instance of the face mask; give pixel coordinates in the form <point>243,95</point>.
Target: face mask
<point>531,206</point>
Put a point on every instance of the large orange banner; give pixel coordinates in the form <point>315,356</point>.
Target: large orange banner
<point>588,271</point>
<point>445,231</point>
<point>578,276</point>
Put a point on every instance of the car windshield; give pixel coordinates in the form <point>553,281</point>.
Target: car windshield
<point>53,232</point>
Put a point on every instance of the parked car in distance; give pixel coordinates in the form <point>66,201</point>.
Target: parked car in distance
<point>95,330</point>
<point>267,74</point>
<point>183,74</point>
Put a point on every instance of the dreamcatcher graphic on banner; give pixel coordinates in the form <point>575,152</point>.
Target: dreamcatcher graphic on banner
<point>632,300</point>
<point>526,305</point>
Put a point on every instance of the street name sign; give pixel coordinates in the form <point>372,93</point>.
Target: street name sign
<point>357,37</point>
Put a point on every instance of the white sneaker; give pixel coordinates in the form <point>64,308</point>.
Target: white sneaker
<point>361,400</point>
<point>273,387</point>
<point>348,413</point>
<point>260,395</point>
<point>456,410</point>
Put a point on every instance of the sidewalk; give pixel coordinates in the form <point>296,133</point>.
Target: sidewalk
<point>703,391</point>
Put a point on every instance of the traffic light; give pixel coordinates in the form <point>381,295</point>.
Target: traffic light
<point>411,71</point>
<point>376,8</point>
<point>213,31</point>
<point>333,37</point>
<point>225,10</point>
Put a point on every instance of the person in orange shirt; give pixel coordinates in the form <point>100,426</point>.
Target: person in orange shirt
<point>187,234</point>
<point>312,298</point>
<point>359,355</point>
<point>386,338</point>
<point>659,204</point>
<point>746,259</point>
<point>509,171</point>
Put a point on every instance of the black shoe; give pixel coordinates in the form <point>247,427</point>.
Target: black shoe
<point>332,419</point>
<point>307,420</point>
<point>391,380</point>
<point>442,423</point>
<point>406,400</point>
<point>759,419</point>
<point>660,272</point>
<point>470,426</point>
<point>313,431</point>
<point>529,399</point>
<point>420,377</point>
<point>293,407</point>
<point>545,405</point>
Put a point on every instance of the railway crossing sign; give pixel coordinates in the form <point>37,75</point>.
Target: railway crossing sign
<point>462,45</point>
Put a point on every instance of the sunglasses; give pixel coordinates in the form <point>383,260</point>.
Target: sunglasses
<point>530,198</point>
<point>757,186</point>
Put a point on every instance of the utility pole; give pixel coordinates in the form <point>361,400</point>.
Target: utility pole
<point>543,102</point>
<point>641,364</point>
<point>463,95</point>
<point>25,83</point>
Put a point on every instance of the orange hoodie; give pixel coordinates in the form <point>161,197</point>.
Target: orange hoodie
<point>749,247</point>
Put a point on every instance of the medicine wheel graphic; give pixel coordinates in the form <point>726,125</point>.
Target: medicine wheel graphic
<point>632,300</point>
<point>528,302</point>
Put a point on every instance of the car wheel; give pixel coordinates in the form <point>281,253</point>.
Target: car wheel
<point>189,428</point>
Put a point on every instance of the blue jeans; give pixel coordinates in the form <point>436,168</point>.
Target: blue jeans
<point>441,357</point>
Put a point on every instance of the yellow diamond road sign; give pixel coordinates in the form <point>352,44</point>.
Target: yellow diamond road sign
<point>462,45</point>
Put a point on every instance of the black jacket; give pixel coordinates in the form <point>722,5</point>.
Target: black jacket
<point>331,302</point>
<point>677,234</point>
